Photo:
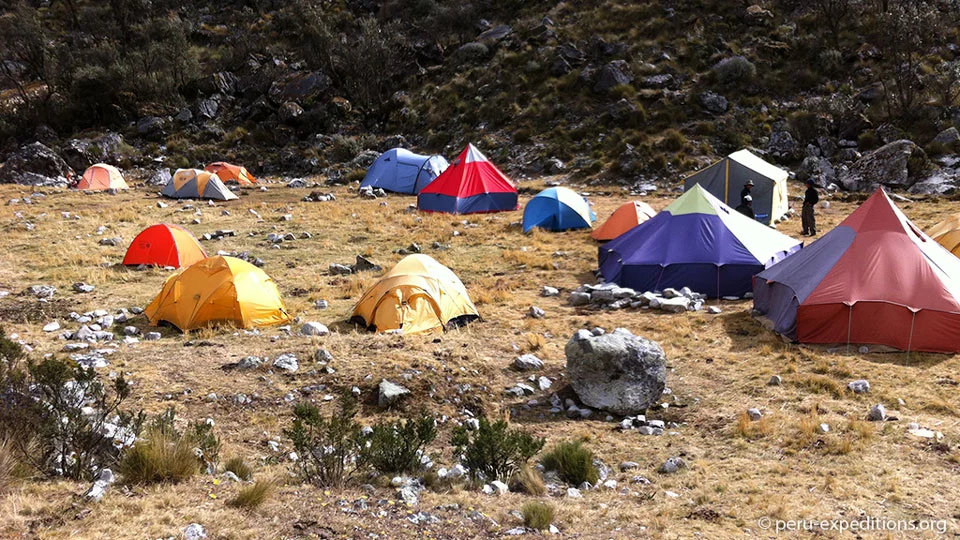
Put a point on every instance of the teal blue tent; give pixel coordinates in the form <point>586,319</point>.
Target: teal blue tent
<point>401,171</point>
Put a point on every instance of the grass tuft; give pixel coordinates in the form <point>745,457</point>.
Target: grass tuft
<point>160,457</point>
<point>239,467</point>
<point>573,463</point>
<point>252,496</point>
<point>528,480</point>
<point>538,515</point>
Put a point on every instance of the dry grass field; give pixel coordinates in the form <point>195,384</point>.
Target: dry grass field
<point>740,471</point>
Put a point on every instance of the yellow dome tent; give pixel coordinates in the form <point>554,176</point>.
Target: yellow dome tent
<point>947,234</point>
<point>417,295</point>
<point>218,289</point>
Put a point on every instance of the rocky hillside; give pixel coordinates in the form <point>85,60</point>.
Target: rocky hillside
<point>612,91</point>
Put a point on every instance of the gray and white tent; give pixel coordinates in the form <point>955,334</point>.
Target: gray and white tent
<point>725,178</point>
<point>197,184</point>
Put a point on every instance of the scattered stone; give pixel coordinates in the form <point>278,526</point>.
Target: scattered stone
<point>536,313</point>
<point>549,291</point>
<point>194,531</point>
<point>714,310</point>
<point>775,380</point>
<point>528,362</point>
<point>629,465</point>
<point>579,298</point>
<point>40,291</point>
<point>499,487</point>
<point>390,393</point>
<point>878,413</point>
<point>287,362</point>
<point>860,386</point>
<point>823,428</point>
<point>99,487</point>
<point>82,287</point>
<point>314,329</point>
<point>574,493</point>
<point>672,465</point>
<point>51,326</point>
<point>151,336</point>
<point>321,304</point>
<point>111,241</point>
<point>617,372</point>
<point>323,356</point>
<point>754,414</point>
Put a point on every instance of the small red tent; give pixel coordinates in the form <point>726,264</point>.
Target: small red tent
<point>472,184</point>
<point>874,279</point>
<point>164,245</point>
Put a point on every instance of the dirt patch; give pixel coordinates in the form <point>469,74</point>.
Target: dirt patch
<point>22,310</point>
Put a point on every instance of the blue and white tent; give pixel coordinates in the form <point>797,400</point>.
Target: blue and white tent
<point>558,209</point>
<point>401,171</point>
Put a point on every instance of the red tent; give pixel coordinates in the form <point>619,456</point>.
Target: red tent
<point>471,184</point>
<point>874,279</point>
<point>164,245</point>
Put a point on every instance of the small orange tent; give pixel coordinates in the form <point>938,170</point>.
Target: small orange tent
<point>947,233</point>
<point>101,177</point>
<point>164,245</point>
<point>231,173</point>
<point>628,216</point>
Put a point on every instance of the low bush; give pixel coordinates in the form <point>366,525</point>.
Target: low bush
<point>160,457</point>
<point>573,462</point>
<point>528,480</point>
<point>396,447</point>
<point>494,451</point>
<point>62,419</point>
<point>734,69</point>
<point>538,515</point>
<point>252,496</point>
<point>331,449</point>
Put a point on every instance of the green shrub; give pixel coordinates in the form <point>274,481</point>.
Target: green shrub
<point>538,515</point>
<point>239,467</point>
<point>805,125</point>
<point>573,463</point>
<point>355,175</point>
<point>199,435</point>
<point>868,140</point>
<point>8,465</point>
<point>330,449</point>
<point>60,418</point>
<point>251,497</point>
<point>494,451</point>
<point>673,141</point>
<point>396,447</point>
<point>344,148</point>
<point>734,69</point>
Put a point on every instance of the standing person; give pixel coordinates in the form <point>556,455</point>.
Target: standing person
<point>810,200</point>
<point>746,207</point>
<point>745,192</point>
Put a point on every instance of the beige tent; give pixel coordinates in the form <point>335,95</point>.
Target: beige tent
<point>726,178</point>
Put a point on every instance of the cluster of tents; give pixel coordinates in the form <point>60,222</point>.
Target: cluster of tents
<point>208,183</point>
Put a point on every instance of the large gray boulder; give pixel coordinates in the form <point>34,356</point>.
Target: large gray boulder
<point>886,166</point>
<point>614,74</point>
<point>618,372</point>
<point>35,165</point>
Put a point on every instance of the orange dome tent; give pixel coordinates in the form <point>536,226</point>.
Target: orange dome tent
<point>218,290</point>
<point>164,245</point>
<point>228,172</point>
<point>628,216</point>
<point>947,233</point>
<point>101,177</point>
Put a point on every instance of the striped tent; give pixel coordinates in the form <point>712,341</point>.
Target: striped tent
<point>472,184</point>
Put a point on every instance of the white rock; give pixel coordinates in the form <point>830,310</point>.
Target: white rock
<point>574,493</point>
<point>549,291</point>
<point>287,362</point>
<point>194,531</point>
<point>314,329</point>
<point>878,413</point>
<point>51,326</point>
<point>500,487</point>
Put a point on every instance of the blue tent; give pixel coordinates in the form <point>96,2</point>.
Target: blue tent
<point>401,171</point>
<point>696,242</point>
<point>557,209</point>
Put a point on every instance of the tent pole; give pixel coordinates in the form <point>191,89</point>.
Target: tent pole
<point>849,327</point>
<point>726,190</point>
<point>910,341</point>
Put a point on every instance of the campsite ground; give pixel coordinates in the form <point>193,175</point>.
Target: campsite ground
<point>780,467</point>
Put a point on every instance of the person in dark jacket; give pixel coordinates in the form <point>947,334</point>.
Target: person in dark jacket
<point>746,207</point>
<point>807,217</point>
<point>745,192</point>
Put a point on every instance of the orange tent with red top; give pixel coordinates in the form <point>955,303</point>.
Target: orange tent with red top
<point>628,216</point>
<point>227,172</point>
<point>164,245</point>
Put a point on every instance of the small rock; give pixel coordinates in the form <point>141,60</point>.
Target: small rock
<point>323,356</point>
<point>714,310</point>
<point>287,362</point>
<point>82,287</point>
<point>151,336</point>
<point>528,362</point>
<point>130,330</point>
<point>389,393</point>
<point>574,493</point>
<point>878,413</point>
<point>549,291</point>
<point>51,326</point>
<point>775,380</point>
<point>673,465</point>
<point>860,386</point>
<point>629,465</point>
<point>823,428</point>
<point>314,329</point>
<point>754,414</point>
<point>536,313</point>
<point>194,531</point>
<point>499,487</point>
<point>579,298</point>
